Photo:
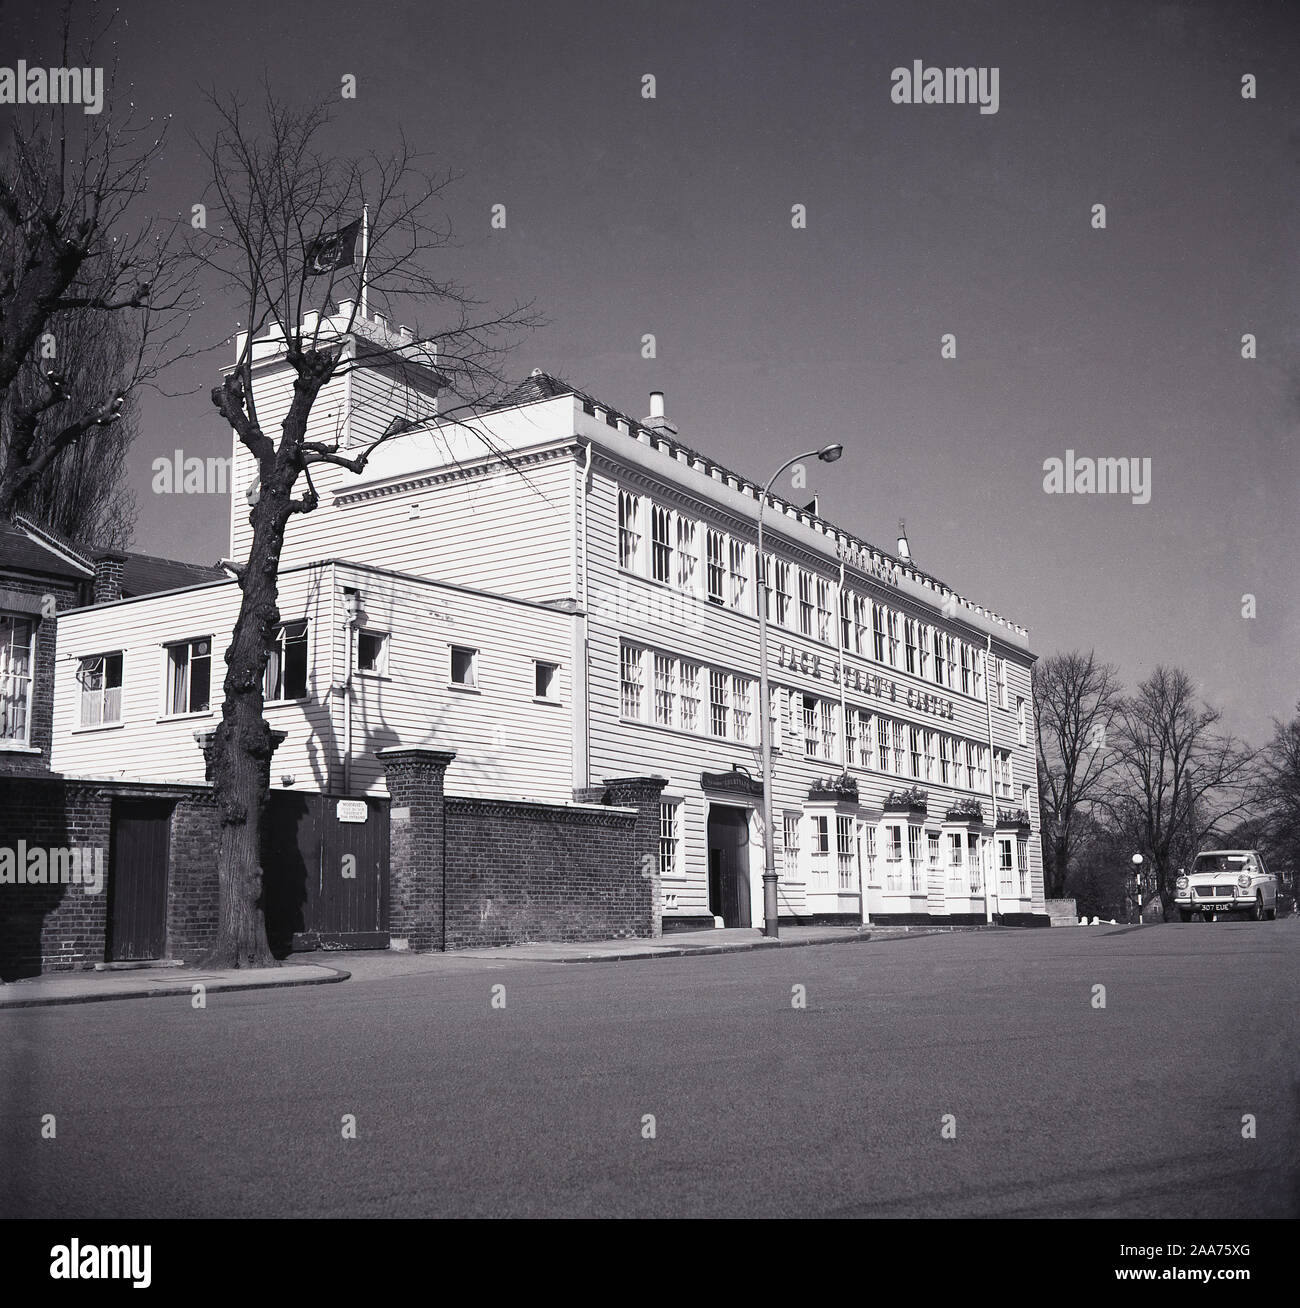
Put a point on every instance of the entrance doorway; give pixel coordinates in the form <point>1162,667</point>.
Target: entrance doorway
<point>729,864</point>
<point>137,880</point>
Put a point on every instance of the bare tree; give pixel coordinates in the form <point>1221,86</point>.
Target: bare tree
<point>1279,795</point>
<point>1177,779</point>
<point>83,492</point>
<point>69,261</point>
<point>287,206</point>
<point>1075,699</point>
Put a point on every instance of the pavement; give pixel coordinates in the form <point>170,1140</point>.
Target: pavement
<point>170,979</point>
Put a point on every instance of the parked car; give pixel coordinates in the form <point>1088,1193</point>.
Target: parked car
<point>1226,881</point>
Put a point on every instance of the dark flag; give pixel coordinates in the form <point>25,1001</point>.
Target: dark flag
<point>331,250</point>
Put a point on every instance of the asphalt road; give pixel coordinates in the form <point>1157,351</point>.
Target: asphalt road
<point>760,1108</point>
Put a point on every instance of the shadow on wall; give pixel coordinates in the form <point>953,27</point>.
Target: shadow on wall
<point>32,816</point>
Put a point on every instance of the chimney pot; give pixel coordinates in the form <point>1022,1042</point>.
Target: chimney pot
<point>655,419</point>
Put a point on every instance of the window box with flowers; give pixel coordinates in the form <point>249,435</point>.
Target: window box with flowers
<point>912,800</point>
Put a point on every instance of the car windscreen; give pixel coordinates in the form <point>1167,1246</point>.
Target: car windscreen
<point>1220,863</point>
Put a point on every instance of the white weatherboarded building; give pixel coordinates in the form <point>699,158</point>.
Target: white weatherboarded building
<point>564,594</point>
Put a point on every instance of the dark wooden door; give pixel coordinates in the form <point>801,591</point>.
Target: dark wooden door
<point>137,880</point>
<point>354,866</point>
<point>326,881</point>
<point>729,864</point>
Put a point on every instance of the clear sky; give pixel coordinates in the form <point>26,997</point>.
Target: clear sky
<point>672,216</point>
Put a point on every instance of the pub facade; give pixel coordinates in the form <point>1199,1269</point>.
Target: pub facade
<point>563,594</point>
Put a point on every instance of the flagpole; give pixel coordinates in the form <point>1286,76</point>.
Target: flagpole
<point>365,251</point>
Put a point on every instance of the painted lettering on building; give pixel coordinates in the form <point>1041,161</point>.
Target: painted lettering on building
<point>873,565</point>
<point>864,683</point>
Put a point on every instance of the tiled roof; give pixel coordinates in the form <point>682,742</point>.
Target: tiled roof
<point>538,385</point>
<point>22,551</point>
<point>146,573</point>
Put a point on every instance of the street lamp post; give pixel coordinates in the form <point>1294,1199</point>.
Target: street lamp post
<point>827,454</point>
<point>1137,879</point>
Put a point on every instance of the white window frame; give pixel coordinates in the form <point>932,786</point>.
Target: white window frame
<point>689,696</point>
<point>661,544</point>
<point>894,856</point>
<point>916,857</point>
<point>631,682</point>
<point>17,680</point>
<point>629,531</point>
<point>738,575</point>
<point>473,682</point>
<point>742,709</point>
<point>670,838</point>
<point>806,606</point>
<point>719,704</point>
<point>824,612</point>
<point>381,667</point>
<point>715,567</point>
<point>173,671</point>
<point>687,555</point>
<point>273,679</point>
<point>665,690</point>
<point>790,843</point>
<point>108,710</point>
<point>552,692</point>
<point>845,849</point>
<point>957,861</point>
<point>783,594</point>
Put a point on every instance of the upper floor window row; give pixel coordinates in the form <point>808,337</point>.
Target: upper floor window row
<point>667,691</point>
<point>676,550</point>
<point>188,672</point>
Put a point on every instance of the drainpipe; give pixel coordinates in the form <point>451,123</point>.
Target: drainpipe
<point>583,575</point>
<point>989,679</point>
<point>351,603</point>
<point>332,778</point>
<point>844,712</point>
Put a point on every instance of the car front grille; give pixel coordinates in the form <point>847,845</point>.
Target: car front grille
<point>1213,892</point>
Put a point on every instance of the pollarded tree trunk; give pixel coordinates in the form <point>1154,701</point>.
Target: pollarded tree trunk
<point>239,754</point>
<point>241,749</point>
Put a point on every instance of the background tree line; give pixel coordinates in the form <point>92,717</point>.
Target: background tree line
<point>1151,772</point>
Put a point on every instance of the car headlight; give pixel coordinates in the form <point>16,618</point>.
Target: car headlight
<point>1182,883</point>
<point>1244,880</point>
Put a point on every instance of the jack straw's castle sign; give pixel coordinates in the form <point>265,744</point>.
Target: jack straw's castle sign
<point>872,564</point>
<point>865,683</point>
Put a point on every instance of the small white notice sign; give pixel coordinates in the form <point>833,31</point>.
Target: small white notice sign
<point>351,810</point>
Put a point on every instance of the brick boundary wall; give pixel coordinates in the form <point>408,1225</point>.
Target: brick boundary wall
<point>57,928</point>
<point>463,872</point>
<point>468,872</point>
<point>52,928</point>
<point>518,872</point>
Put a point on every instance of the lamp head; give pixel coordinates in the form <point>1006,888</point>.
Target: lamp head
<point>830,453</point>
